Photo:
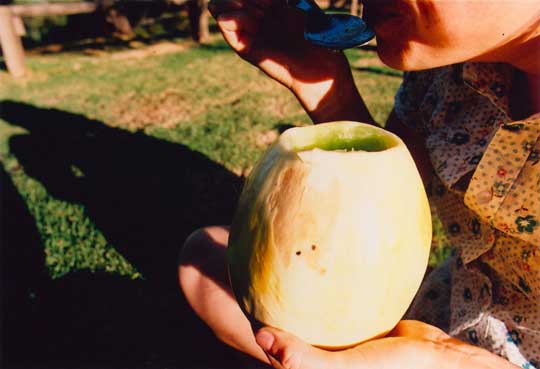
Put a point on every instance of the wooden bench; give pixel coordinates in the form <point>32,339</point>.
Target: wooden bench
<point>12,28</point>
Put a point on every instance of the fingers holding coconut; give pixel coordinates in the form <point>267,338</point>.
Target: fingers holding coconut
<point>287,351</point>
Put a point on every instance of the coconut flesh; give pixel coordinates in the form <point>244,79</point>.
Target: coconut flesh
<point>332,233</point>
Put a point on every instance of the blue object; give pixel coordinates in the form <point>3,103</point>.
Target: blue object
<point>334,31</point>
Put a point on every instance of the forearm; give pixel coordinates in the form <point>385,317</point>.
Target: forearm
<point>334,99</point>
<point>455,354</point>
<point>419,353</point>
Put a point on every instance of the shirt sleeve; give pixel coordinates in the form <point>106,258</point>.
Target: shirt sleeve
<point>505,188</point>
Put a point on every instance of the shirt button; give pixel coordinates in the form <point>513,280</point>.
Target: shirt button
<point>483,197</point>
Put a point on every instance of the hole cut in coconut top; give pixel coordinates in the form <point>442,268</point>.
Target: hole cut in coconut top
<point>339,136</point>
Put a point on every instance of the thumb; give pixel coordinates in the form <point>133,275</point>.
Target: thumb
<point>286,351</point>
<point>238,29</point>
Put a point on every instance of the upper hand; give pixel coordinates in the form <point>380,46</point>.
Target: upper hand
<point>269,34</point>
<point>410,345</point>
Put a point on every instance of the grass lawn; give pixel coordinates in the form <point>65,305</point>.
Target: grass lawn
<point>109,160</point>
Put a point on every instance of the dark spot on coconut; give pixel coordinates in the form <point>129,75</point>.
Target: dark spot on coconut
<point>298,252</point>
<point>313,247</point>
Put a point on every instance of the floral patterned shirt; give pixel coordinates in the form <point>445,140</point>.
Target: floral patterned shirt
<point>486,190</point>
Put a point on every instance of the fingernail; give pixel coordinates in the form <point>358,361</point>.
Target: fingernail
<point>265,340</point>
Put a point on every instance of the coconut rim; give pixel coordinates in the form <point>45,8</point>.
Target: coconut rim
<point>341,137</point>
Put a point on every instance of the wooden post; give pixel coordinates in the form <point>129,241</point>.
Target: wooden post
<point>19,25</point>
<point>354,7</point>
<point>198,20</point>
<point>11,44</point>
<point>204,33</point>
<point>120,22</point>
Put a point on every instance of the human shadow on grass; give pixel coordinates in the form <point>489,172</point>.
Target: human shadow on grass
<point>146,196</point>
<point>22,269</point>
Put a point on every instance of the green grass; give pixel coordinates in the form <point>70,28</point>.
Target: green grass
<point>203,98</point>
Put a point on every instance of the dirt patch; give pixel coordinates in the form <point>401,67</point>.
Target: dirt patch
<point>161,48</point>
<point>138,111</point>
<point>98,48</point>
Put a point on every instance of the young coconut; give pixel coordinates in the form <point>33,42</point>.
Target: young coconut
<point>332,234</point>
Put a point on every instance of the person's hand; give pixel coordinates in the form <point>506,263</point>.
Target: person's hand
<point>204,280</point>
<point>410,345</point>
<point>269,35</point>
